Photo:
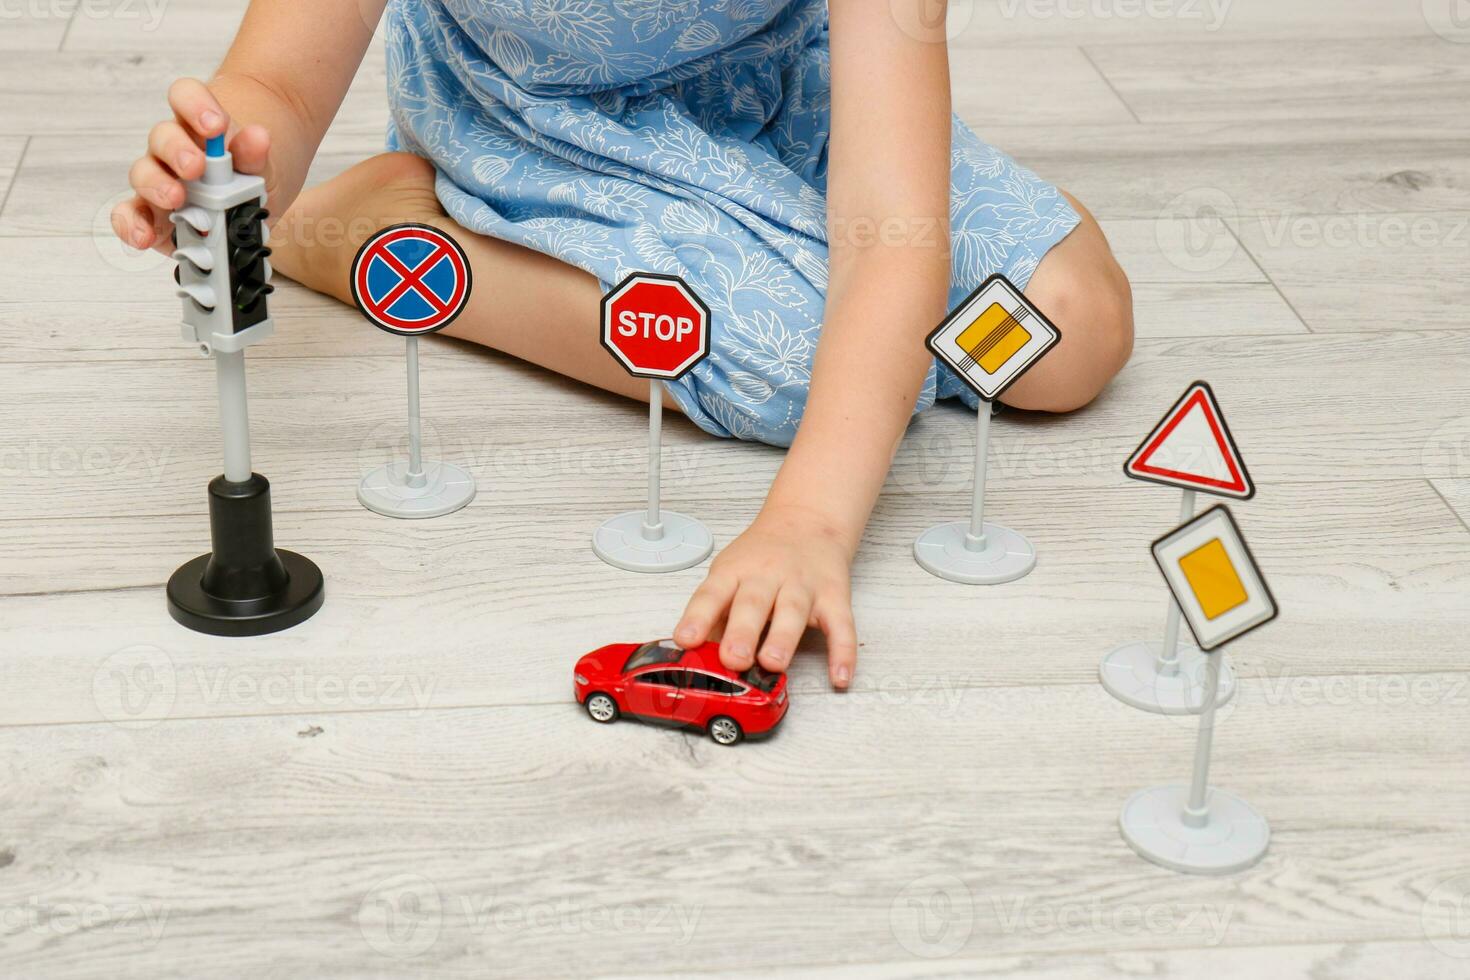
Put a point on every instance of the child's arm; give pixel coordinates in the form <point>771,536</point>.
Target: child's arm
<point>276,93</point>
<point>888,217</point>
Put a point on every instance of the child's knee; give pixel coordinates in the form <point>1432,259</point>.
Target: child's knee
<point>1082,289</point>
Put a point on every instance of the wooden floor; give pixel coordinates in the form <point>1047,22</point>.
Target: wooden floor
<point>404,786</point>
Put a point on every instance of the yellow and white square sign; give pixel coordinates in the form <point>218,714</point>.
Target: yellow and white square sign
<point>1214,578</point>
<point>993,337</point>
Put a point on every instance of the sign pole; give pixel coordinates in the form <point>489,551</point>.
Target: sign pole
<point>653,527</point>
<point>1190,448</point>
<point>1193,828</point>
<point>975,539</point>
<point>988,341</point>
<point>658,329</point>
<point>1169,653</point>
<point>1196,813</point>
<point>415,476</point>
<point>410,280</point>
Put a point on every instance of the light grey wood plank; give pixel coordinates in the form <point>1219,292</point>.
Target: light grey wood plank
<point>203,26</point>
<point>1455,490</point>
<point>1368,272</point>
<point>426,602</point>
<point>1175,250</point>
<point>808,841</point>
<point>1302,78</point>
<point>33,25</point>
<point>317,424</point>
<point>1329,961</point>
<point>985,23</point>
<point>998,85</point>
<point>1211,310</point>
<point>1270,166</point>
<point>11,149</point>
<point>88,93</point>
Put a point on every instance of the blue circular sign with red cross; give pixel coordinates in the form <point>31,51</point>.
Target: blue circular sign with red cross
<point>411,279</point>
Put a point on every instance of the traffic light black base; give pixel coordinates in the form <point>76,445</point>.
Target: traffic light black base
<point>245,586</point>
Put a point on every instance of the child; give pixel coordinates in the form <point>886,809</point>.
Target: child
<point>798,167</point>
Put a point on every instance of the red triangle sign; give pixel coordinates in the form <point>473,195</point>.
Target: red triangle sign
<point>1191,447</point>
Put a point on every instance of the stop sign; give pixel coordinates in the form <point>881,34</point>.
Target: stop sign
<point>655,325</point>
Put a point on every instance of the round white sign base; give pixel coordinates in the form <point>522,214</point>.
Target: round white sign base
<point>622,543</point>
<point>1006,556</point>
<point>1233,838</point>
<point>387,490</point>
<point>1131,674</point>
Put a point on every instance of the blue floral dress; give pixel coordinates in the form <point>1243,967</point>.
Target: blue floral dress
<point>686,137</point>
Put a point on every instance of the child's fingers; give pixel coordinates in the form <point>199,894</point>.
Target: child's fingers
<point>133,222</point>
<point>172,147</point>
<point>251,149</point>
<point>835,619</point>
<point>793,611</point>
<point>197,108</point>
<point>705,609</point>
<point>155,185</point>
<point>749,613</point>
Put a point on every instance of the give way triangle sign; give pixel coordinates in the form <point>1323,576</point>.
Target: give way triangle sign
<point>1191,447</point>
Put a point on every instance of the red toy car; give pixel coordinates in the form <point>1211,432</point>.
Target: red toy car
<point>662,683</point>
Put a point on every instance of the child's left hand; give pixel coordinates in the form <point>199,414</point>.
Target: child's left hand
<point>789,569</point>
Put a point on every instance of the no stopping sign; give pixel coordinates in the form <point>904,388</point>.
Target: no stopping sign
<point>411,279</point>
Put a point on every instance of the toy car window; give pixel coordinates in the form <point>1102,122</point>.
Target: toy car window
<point>657,652</point>
<point>700,681</point>
<point>756,677</point>
<point>660,678</point>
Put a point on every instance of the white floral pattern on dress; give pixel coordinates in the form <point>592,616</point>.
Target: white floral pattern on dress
<point>687,137</point>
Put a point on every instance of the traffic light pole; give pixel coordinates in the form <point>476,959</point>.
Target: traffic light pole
<point>244,586</point>
<point>234,414</point>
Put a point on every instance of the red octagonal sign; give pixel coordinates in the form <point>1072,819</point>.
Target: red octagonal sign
<point>655,325</point>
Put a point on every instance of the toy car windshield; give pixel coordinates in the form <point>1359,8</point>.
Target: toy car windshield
<point>758,678</point>
<point>657,652</point>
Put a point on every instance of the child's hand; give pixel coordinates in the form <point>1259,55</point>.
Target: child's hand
<point>176,154</point>
<point>789,569</point>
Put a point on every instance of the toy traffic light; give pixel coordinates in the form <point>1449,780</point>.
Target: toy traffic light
<point>245,586</point>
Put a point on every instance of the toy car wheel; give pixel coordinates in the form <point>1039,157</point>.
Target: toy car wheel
<point>725,730</point>
<point>602,708</point>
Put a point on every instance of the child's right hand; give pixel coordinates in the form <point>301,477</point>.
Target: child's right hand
<point>176,154</point>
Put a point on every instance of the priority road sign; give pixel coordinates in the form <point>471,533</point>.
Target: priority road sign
<point>1200,829</point>
<point>411,279</point>
<point>993,337</point>
<point>1214,578</point>
<point>655,325</point>
<point>1191,447</point>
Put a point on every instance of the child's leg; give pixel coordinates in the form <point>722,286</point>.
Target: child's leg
<point>541,310</point>
<point>1082,289</point>
<point>526,304</point>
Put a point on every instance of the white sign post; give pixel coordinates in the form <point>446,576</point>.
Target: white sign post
<point>1190,448</point>
<point>989,341</point>
<point>657,328</point>
<point>1220,590</point>
<point>410,280</point>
